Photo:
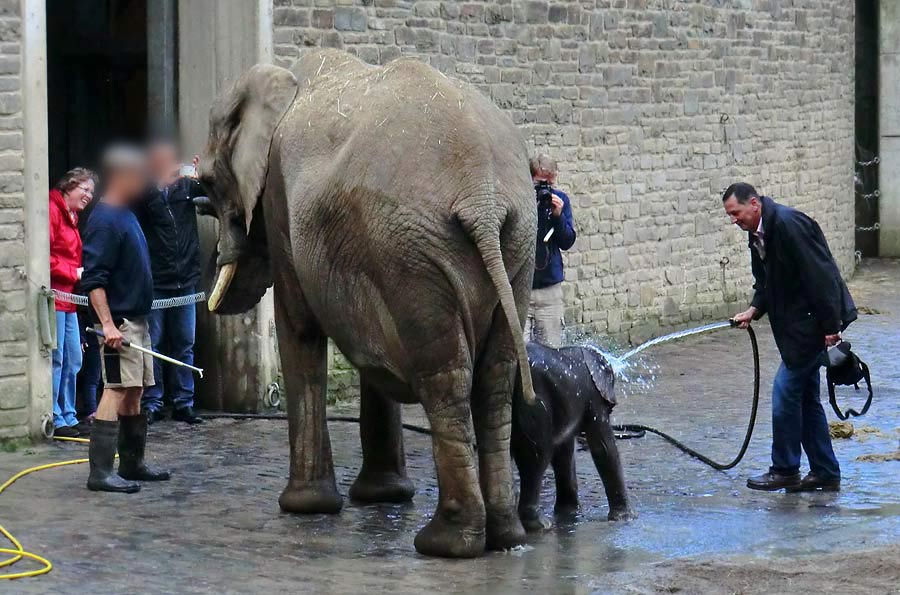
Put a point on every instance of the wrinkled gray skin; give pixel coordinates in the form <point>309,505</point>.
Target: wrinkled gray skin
<point>394,212</point>
<point>575,392</point>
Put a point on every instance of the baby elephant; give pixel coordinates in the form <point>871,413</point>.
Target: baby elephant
<point>575,392</point>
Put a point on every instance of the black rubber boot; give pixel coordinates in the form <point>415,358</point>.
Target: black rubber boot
<point>132,442</point>
<point>104,437</point>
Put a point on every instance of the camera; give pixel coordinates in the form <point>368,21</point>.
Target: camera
<point>187,171</point>
<point>544,195</point>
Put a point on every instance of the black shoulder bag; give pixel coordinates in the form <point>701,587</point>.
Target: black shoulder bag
<point>845,368</point>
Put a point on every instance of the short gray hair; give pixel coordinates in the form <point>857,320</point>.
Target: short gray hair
<point>543,163</point>
<point>123,158</point>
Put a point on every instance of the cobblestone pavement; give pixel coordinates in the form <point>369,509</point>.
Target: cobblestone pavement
<point>216,527</point>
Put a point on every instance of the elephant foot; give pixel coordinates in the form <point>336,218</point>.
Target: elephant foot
<point>533,521</point>
<point>566,509</point>
<point>621,514</point>
<point>450,539</point>
<point>504,532</point>
<point>371,487</point>
<point>320,497</point>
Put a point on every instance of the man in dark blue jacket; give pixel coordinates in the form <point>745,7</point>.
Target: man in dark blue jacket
<point>117,278</point>
<point>800,287</point>
<point>555,233</point>
<point>169,221</point>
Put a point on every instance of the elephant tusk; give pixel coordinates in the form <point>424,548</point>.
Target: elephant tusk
<point>223,281</point>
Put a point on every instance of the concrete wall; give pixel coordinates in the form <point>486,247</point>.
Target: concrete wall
<point>652,108</point>
<point>25,386</point>
<point>218,41</point>
<point>889,129</point>
<point>13,285</point>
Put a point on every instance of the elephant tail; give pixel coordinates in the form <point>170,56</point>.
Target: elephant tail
<point>485,232</point>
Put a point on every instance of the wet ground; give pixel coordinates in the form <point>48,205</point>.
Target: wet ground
<point>216,527</point>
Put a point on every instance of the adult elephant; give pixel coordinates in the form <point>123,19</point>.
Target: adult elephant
<point>393,210</point>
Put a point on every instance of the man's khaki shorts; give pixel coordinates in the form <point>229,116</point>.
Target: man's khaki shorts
<point>128,368</point>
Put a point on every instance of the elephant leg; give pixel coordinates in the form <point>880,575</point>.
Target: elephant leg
<point>492,414</point>
<point>566,479</point>
<point>457,528</point>
<point>531,477</point>
<point>602,443</point>
<point>311,487</point>
<point>383,474</point>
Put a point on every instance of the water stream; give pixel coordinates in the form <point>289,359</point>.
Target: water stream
<point>620,363</point>
<point>676,335</point>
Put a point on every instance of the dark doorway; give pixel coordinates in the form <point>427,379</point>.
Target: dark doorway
<point>96,78</point>
<point>866,180</point>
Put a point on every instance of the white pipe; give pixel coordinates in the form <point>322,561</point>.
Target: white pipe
<point>164,358</point>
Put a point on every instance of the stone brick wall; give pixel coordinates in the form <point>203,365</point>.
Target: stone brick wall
<point>652,107</point>
<point>14,413</point>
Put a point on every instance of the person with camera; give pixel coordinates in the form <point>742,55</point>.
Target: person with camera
<point>555,233</point>
<point>169,220</point>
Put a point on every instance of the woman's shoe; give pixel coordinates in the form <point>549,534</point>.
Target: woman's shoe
<point>66,432</point>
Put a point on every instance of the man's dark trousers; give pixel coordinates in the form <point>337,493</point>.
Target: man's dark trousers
<point>799,419</point>
<point>172,332</point>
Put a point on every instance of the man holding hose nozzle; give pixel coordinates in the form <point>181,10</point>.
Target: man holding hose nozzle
<point>118,280</point>
<point>799,286</point>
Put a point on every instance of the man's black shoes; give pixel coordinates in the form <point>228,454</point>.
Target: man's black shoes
<point>187,415</point>
<point>813,483</point>
<point>154,415</point>
<point>770,482</point>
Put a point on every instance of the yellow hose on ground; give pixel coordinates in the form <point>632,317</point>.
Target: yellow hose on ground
<point>19,552</point>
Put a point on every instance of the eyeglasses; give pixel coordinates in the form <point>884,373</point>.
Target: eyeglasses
<point>86,189</point>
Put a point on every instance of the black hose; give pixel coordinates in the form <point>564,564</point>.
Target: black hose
<point>282,416</point>
<point>636,428</point>
<point>623,431</point>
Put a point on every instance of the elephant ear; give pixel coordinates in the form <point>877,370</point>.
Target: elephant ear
<point>602,374</point>
<point>251,111</point>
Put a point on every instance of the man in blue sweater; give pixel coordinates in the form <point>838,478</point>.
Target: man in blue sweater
<point>555,233</point>
<point>118,280</point>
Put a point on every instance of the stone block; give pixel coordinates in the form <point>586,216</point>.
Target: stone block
<point>536,11</point>
<point>291,17</point>
<point>348,18</point>
<point>323,18</point>
<point>10,103</point>
<point>13,393</point>
<point>10,64</point>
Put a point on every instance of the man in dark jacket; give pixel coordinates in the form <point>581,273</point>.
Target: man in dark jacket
<point>799,286</point>
<point>555,233</point>
<point>169,221</point>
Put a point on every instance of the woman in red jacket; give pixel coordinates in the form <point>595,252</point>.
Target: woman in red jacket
<point>72,194</point>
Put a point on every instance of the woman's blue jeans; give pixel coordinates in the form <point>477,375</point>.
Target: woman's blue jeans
<point>66,363</point>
